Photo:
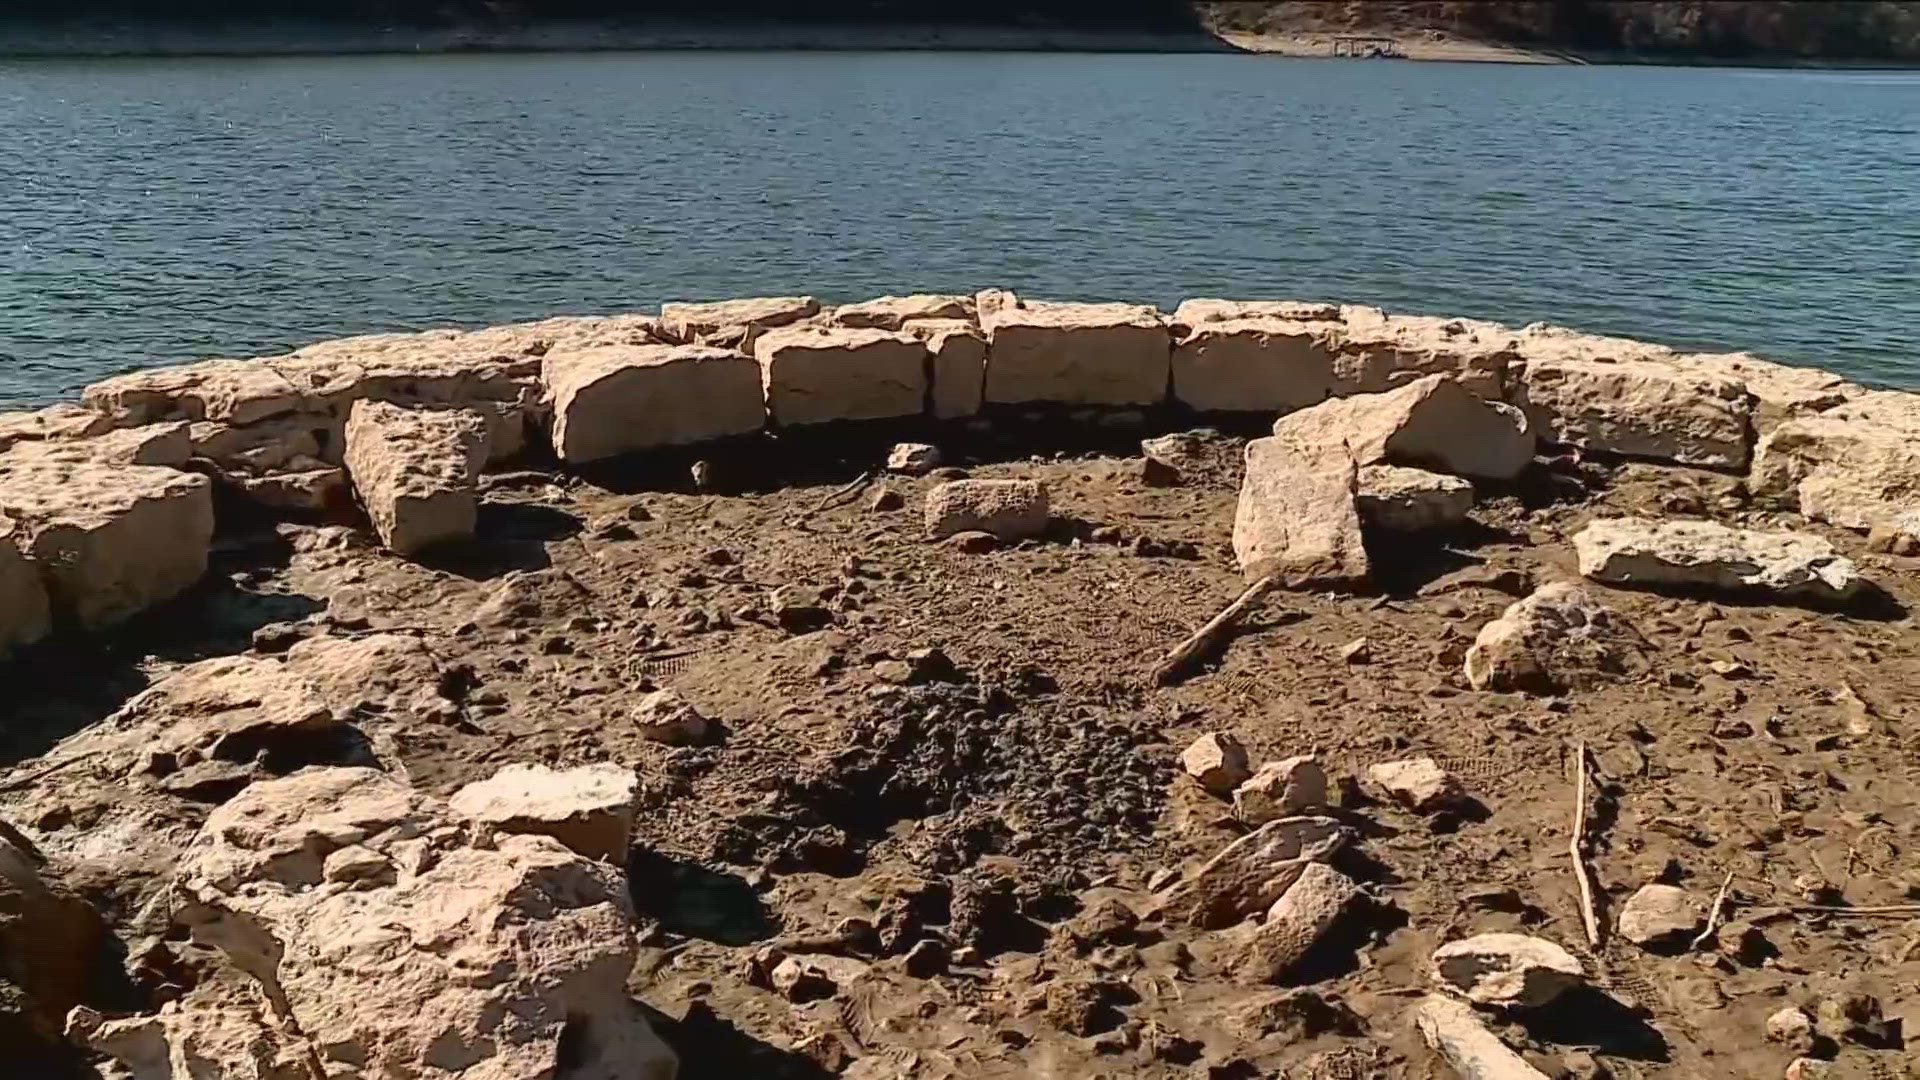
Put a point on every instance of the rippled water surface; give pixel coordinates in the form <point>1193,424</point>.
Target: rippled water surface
<point>155,211</point>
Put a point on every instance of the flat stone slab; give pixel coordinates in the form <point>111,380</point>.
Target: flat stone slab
<point>1640,553</point>
<point>1408,500</point>
<point>1378,350</point>
<point>689,322</point>
<point>590,808</point>
<point>1430,423</point>
<point>817,375</point>
<point>620,399</point>
<point>1297,516</point>
<point>1009,509</point>
<point>1076,354</point>
<point>416,472</point>
<point>894,312</point>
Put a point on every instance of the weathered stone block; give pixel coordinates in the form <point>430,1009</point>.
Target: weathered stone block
<point>1253,365</point>
<point>894,312</point>
<point>415,471</point>
<point>817,375</point>
<point>1638,408</point>
<point>613,400</point>
<point>1297,517</point>
<point>689,323</point>
<point>959,351</point>
<point>1078,354</point>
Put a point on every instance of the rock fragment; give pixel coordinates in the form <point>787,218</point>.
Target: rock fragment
<point>1248,875</point>
<point>959,368</point>
<point>1792,1027</point>
<point>1659,915</point>
<point>1217,761</point>
<point>896,312</point>
<point>1297,921</point>
<point>619,399</point>
<point>736,320</point>
<point>1509,970</point>
<point>1558,638</point>
<point>589,808</point>
<point>1076,354</point>
<point>1408,500</point>
<point>1285,788</point>
<point>1851,465</point>
<point>1456,1034</point>
<point>666,717</point>
<point>1640,553</point>
<point>416,472</point>
<point>1430,423</point>
<point>1297,517</point>
<point>913,459</point>
<point>1009,509</point>
<point>1419,784</point>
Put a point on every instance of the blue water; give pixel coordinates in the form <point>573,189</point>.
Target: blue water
<point>157,211</point>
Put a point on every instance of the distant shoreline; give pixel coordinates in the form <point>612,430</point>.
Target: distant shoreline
<point>107,39</point>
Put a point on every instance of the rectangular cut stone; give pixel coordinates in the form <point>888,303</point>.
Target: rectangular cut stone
<point>1297,517</point>
<point>686,322</point>
<point>53,423</point>
<point>234,391</point>
<point>416,472</point>
<point>1077,354</point>
<point>1252,365</point>
<point>1377,350</point>
<point>1638,408</point>
<point>25,615</point>
<point>959,370</point>
<point>110,540</point>
<point>1192,313</point>
<point>1854,465</point>
<point>895,312</point>
<point>816,375</point>
<point>618,399</point>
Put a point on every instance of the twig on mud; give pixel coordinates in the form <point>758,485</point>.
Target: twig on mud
<point>842,493</point>
<point>1576,847</point>
<point>1842,909</point>
<point>1713,913</point>
<point>1179,660</point>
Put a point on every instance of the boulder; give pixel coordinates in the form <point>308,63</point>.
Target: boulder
<point>1217,762</point>
<point>1284,788</point>
<point>490,961</point>
<point>1400,499</point>
<point>1254,871</point>
<point>959,369</point>
<point>110,541</point>
<point>1009,509</point>
<point>1851,466</point>
<point>1431,423</point>
<point>815,375</point>
<point>589,808</point>
<point>1377,351</point>
<point>1193,313</point>
<point>1454,1032</point>
<point>618,399</point>
<point>52,950</point>
<point>1659,915</point>
<point>416,471</point>
<point>229,391</point>
<point>25,613</point>
<point>1638,408</point>
<point>1252,365</point>
<point>1076,354</point>
<point>1295,923</point>
<point>913,459</point>
<point>1560,637</point>
<point>1640,553</point>
<point>1297,517</point>
<point>1419,784</point>
<point>690,323</point>
<point>1507,970</point>
<point>894,312</point>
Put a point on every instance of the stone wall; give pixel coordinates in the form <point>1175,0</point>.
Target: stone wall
<point>107,507</point>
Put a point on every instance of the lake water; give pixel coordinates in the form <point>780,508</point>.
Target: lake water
<point>157,211</point>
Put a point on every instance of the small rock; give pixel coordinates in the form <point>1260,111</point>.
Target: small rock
<point>1357,651</point>
<point>702,474</point>
<point>1080,1007</point>
<point>1793,1027</point>
<point>1303,914</point>
<point>1886,540</point>
<point>1009,509</point>
<point>798,610</point>
<point>1420,784</point>
<point>800,980</point>
<point>1560,637</point>
<point>913,459</point>
<point>930,664</point>
<point>720,557</point>
<point>279,637</point>
<point>1807,1068</point>
<point>926,959</point>
<point>1659,915</point>
<point>1278,789</point>
<point>1854,1017</point>
<point>1512,970</point>
<point>1106,922</point>
<point>1400,499</point>
<point>1157,473</point>
<point>1456,1033</point>
<point>885,500</point>
<point>665,717</point>
<point>1217,761</point>
<point>590,809</point>
<point>973,542</point>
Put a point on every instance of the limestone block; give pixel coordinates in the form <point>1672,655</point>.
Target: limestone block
<point>690,322</point>
<point>1376,351</point>
<point>1252,365</point>
<point>1512,970</point>
<point>815,375</point>
<point>25,615</point>
<point>1408,500</point>
<point>1659,915</point>
<point>959,351</point>
<point>1192,313</point>
<point>1419,784</point>
<point>1454,1032</point>
<point>1217,762</point>
<point>1638,408</point>
<point>1639,553</point>
<point>1009,509</point>
<point>230,391</point>
<point>1853,465</point>
<point>1304,913</point>
<point>1780,393</point>
<point>110,540</point>
<point>416,471</point>
<point>1248,875</point>
<point>1431,423</point>
<point>53,423</point>
<point>894,312</point>
<point>1078,354</point>
<point>1295,785</point>
<point>618,399</point>
<point>590,808</point>
<point>1297,515</point>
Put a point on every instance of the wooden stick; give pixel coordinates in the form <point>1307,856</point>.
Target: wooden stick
<point>1576,847</point>
<point>1841,909</point>
<point>1713,914</point>
<point>843,492</point>
<point>1180,659</point>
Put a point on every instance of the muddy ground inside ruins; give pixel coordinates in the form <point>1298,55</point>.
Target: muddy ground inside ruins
<point>996,796</point>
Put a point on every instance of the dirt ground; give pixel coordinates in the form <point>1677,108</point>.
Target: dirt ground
<point>997,796</point>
